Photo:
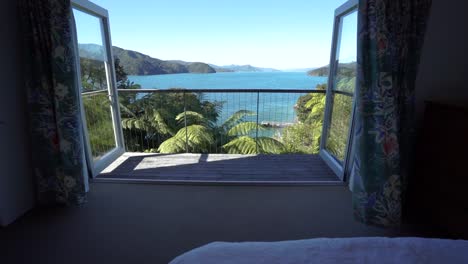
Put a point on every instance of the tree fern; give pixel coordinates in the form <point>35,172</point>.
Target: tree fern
<point>172,145</point>
<point>191,117</point>
<point>269,145</point>
<point>236,117</point>
<point>244,128</point>
<point>248,145</point>
<point>197,137</point>
<point>150,121</point>
<point>126,110</point>
<point>241,145</point>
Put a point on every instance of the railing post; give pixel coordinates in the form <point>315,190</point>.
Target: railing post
<point>256,132</point>
<point>185,124</point>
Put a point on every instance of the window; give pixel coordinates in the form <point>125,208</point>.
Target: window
<point>98,91</point>
<point>337,126</point>
<point>190,120</point>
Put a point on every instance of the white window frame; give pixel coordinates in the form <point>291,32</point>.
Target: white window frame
<point>96,166</point>
<point>341,170</point>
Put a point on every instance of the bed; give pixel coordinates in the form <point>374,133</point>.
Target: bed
<point>331,250</point>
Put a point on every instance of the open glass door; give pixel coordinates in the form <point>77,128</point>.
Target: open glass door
<point>100,108</point>
<point>338,120</point>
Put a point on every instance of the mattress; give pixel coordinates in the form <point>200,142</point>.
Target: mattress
<point>331,250</point>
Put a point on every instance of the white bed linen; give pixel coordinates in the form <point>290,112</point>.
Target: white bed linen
<point>331,250</point>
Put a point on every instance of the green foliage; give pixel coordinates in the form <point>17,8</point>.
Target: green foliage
<point>237,117</point>
<point>99,124</point>
<point>135,63</point>
<point>346,84</point>
<point>199,67</point>
<point>310,107</point>
<point>93,75</point>
<point>267,145</point>
<point>191,117</point>
<point>198,138</point>
<point>304,136</point>
<point>241,145</point>
<point>241,140</point>
<point>170,116</point>
<point>248,145</point>
<point>302,111</point>
<point>150,121</point>
<point>122,78</point>
<point>339,125</point>
<point>155,122</point>
<point>244,128</point>
<point>344,69</point>
<point>173,145</point>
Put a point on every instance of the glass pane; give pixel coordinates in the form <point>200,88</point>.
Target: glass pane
<point>346,54</point>
<point>344,81</point>
<point>94,84</point>
<point>339,126</point>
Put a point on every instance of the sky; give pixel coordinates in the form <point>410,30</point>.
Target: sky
<point>265,33</point>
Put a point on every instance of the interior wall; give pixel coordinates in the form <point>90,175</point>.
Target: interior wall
<point>443,78</point>
<point>16,192</point>
<point>443,72</point>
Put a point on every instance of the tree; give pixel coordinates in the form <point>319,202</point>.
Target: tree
<point>196,135</point>
<point>154,117</point>
<point>242,141</point>
<point>341,116</point>
<point>122,77</point>
<point>200,133</point>
<point>93,75</point>
<point>304,137</point>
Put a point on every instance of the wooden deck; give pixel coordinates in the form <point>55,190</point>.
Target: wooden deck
<point>219,168</point>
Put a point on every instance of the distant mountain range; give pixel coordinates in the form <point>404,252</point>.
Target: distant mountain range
<point>136,63</point>
<point>242,68</point>
<point>344,69</point>
<point>300,69</point>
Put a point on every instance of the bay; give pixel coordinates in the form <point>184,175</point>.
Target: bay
<point>230,80</point>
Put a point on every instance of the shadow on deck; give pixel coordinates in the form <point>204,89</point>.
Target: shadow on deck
<point>218,168</point>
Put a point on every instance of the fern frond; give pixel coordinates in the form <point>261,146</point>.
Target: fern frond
<point>241,145</point>
<point>197,137</point>
<point>126,110</point>
<point>134,122</point>
<point>236,117</point>
<point>150,121</point>
<point>244,128</point>
<point>189,114</point>
<point>172,145</point>
<point>157,121</point>
<point>315,99</point>
<point>269,145</point>
<point>192,118</point>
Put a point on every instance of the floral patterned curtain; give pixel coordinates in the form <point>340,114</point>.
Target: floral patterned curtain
<point>53,101</point>
<point>390,38</point>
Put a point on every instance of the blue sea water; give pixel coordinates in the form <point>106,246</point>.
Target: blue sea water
<point>270,107</point>
<point>230,80</point>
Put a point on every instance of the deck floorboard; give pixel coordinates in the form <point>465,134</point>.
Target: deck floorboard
<point>219,168</point>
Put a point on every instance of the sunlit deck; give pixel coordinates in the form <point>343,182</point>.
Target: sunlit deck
<point>218,168</point>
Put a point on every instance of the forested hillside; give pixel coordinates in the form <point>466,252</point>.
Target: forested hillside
<point>136,63</point>
<point>344,69</point>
